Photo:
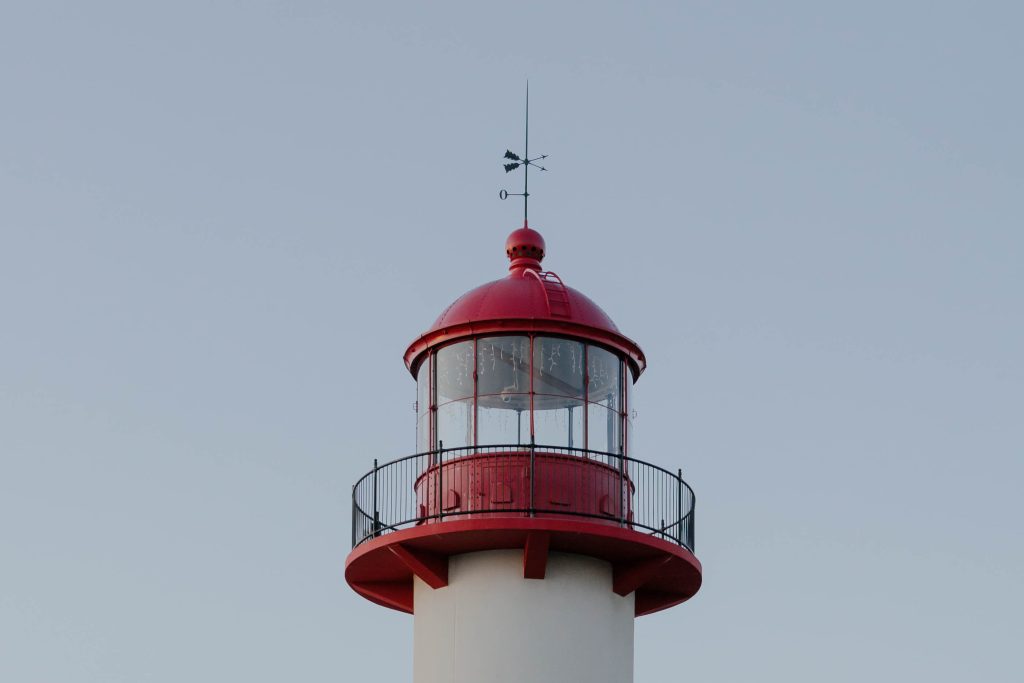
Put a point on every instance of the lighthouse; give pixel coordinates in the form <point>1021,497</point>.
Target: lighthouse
<point>525,534</point>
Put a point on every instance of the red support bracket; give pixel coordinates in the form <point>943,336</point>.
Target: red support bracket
<point>431,569</point>
<point>394,594</point>
<point>535,554</point>
<point>626,578</point>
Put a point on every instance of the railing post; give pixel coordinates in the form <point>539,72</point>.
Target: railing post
<point>376,513</point>
<point>355,509</point>
<point>622,489</point>
<point>693,529</point>
<point>533,476</point>
<point>440,480</point>
<point>679,511</point>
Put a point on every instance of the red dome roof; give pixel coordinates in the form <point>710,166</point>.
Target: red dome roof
<point>525,293</point>
<point>526,300</point>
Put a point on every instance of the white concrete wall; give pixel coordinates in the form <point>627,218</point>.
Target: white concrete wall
<point>490,625</point>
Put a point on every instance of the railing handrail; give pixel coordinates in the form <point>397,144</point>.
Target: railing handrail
<point>640,486</point>
<point>524,448</point>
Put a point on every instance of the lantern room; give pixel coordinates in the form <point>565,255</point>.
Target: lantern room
<point>518,389</point>
<point>524,359</point>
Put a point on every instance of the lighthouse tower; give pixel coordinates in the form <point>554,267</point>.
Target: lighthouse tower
<point>525,534</point>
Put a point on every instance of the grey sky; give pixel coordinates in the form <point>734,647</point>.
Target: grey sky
<point>221,223</point>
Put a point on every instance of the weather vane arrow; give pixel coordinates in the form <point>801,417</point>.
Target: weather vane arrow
<point>523,161</point>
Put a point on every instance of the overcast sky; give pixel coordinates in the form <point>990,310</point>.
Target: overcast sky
<point>221,223</point>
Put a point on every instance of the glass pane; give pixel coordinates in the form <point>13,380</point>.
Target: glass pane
<point>603,427</point>
<point>455,423</point>
<point>629,441</point>
<point>503,425</point>
<point>558,367</point>
<point>629,389</point>
<point>423,434</point>
<point>423,388</point>
<point>604,371</point>
<point>558,421</point>
<point>455,372</point>
<point>503,365</point>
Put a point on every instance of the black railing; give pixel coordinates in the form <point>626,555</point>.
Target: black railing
<point>522,481</point>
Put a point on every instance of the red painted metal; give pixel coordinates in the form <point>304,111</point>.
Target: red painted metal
<point>394,594</point>
<point>626,578</point>
<point>489,484</point>
<point>430,568</point>
<point>535,554</point>
<point>556,294</point>
<point>670,576</point>
<point>527,300</point>
<point>525,248</point>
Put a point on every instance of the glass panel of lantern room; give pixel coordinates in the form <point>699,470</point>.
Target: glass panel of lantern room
<point>558,421</point>
<point>503,390</point>
<point>423,444</point>
<point>558,392</point>
<point>455,425</point>
<point>558,367</point>
<point>604,374</point>
<point>423,407</point>
<point>506,424</point>
<point>604,398</point>
<point>603,427</point>
<point>453,373</point>
<point>503,365</point>
<point>628,441</point>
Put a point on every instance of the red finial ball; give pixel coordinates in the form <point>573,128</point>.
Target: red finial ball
<point>525,248</point>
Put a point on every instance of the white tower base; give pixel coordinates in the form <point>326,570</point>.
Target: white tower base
<point>492,625</point>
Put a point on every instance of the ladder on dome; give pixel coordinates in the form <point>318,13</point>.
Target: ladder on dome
<point>556,294</point>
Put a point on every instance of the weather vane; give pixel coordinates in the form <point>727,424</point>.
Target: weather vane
<point>525,161</point>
